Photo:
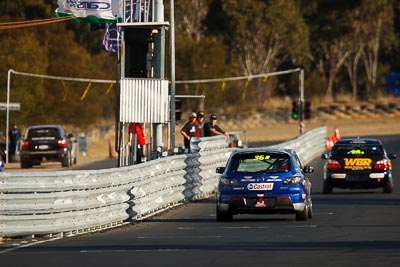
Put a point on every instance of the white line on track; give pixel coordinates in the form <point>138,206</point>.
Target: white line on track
<point>249,227</point>
<point>174,237</point>
<point>30,244</point>
<point>134,250</point>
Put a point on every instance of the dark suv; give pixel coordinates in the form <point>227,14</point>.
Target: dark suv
<point>358,163</point>
<point>47,143</point>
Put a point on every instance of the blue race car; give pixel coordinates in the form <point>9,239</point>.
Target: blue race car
<point>264,181</point>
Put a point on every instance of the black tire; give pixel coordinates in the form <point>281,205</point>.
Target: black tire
<point>65,161</point>
<point>302,215</point>
<point>225,216</point>
<point>310,210</point>
<point>327,189</point>
<point>309,202</point>
<point>71,160</point>
<point>26,164</point>
<point>388,188</point>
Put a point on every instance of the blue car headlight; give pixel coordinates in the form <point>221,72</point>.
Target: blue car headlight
<point>228,181</point>
<point>293,180</point>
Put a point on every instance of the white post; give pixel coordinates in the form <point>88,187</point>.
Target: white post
<point>8,113</point>
<point>159,11</point>
<point>173,119</point>
<point>301,109</point>
<point>159,46</point>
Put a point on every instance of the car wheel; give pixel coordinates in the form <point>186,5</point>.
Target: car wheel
<point>65,161</point>
<point>310,211</point>
<point>303,214</point>
<point>327,189</point>
<point>25,164</point>
<point>225,216</point>
<point>388,188</point>
<point>71,160</point>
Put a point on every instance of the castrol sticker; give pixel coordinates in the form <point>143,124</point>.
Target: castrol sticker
<point>260,186</point>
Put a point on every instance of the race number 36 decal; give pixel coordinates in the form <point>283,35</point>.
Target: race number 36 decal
<point>262,157</point>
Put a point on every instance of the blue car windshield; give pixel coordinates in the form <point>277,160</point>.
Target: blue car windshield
<point>260,163</point>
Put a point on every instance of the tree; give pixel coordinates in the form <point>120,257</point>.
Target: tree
<point>332,56</point>
<point>330,25</point>
<point>198,55</point>
<point>352,62</point>
<point>262,40</point>
<point>376,17</point>
<point>27,56</point>
<point>54,50</point>
<point>189,18</point>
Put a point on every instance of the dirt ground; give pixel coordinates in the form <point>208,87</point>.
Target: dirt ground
<point>348,127</point>
<point>274,132</point>
<point>351,127</point>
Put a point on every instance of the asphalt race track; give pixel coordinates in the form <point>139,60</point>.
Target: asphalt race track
<point>349,228</point>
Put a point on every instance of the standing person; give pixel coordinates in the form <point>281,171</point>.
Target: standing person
<point>2,159</point>
<point>14,135</point>
<point>200,122</point>
<point>137,128</point>
<point>211,128</point>
<point>189,130</point>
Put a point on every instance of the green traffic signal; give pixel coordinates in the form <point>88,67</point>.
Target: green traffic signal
<point>295,110</point>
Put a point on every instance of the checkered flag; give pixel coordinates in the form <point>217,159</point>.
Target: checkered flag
<point>73,3</point>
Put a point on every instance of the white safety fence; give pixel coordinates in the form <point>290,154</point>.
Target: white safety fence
<point>73,202</point>
<point>307,146</point>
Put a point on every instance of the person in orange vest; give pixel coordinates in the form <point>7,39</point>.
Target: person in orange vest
<point>137,128</point>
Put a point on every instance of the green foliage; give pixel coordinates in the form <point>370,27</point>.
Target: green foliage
<point>213,65</point>
<point>338,43</point>
<point>66,49</point>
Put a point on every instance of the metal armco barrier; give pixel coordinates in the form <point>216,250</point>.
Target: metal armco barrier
<point>307,146</point>
<point>73,202</point>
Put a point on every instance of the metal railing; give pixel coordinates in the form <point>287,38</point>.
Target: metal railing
<point>73,202</point>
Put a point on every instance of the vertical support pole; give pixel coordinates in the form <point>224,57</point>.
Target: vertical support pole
<point>158,10</point>
<point>159,66</point>
<point>8,114</point>
<point>133,150</point>
<point>119,129</point>
<point>119,126</point>
<point>301,101</point>
<point>122,151</point>
<point>172,103</point>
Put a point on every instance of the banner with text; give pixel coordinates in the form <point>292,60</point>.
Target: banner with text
<point>92,11</point>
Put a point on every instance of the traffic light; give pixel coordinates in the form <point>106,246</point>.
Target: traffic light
<point>307,110</point>
<point>295,110</point>
<point>178,110</point>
